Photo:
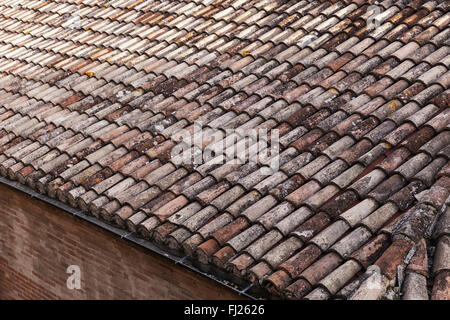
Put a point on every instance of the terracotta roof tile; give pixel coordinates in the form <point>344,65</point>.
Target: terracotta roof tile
<point>419,262</point>
<point>367,254</point>
<point>259,272</point>
<point>393,257</point>
<point>340,276</point>
<point>440,287</point>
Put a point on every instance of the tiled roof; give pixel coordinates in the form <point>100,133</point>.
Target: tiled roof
<point>93,94</point>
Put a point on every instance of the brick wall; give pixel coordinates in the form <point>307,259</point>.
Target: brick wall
<point>38,242</point>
